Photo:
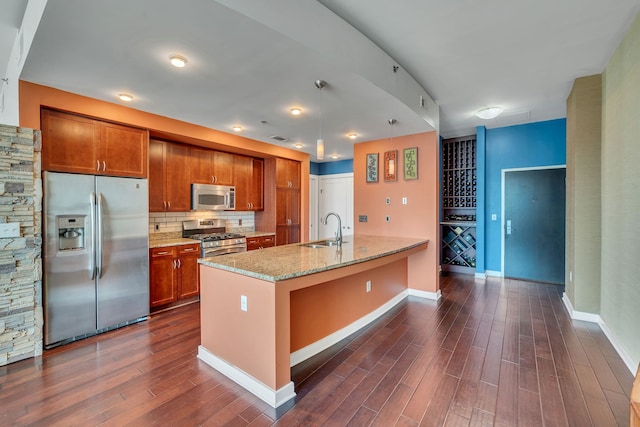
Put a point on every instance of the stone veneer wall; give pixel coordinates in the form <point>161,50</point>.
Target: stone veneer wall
<point>21,317</point>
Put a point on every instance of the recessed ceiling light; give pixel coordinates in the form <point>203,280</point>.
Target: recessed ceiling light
<point>125,97</point>
<point>237,128</point>
<point>353,135</point>
<point>178,61</point>
<point>488,113</point>
<point>299,145</point>
<point>296,111</point>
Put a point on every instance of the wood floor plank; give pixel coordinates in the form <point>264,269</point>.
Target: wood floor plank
<point>506,343</point>
<point>553,410</point>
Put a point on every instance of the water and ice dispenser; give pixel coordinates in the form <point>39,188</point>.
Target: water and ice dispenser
<point>71,232</point>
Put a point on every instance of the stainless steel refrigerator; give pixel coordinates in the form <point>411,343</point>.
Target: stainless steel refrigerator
<point>96,269</point>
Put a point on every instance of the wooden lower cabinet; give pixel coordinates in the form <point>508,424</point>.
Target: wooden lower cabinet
<point>261,242</point>
<point>173,274</point>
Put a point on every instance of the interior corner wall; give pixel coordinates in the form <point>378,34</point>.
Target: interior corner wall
<point>418,218</point>
<point>520,146</point>
<point>620,278</point>
<point>583,221</point>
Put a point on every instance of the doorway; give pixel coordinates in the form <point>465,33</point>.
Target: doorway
<point>533,229</point>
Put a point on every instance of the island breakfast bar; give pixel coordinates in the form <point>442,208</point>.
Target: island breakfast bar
<point>267,310</point>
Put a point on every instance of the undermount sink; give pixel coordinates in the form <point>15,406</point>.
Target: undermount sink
<point>321,244</point>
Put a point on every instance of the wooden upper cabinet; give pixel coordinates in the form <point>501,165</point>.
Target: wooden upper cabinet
<point>72,143</point>
<point>287,173</point>
<point>169,181</point>
<point>69,143</point>
<point>223,168</point>
<point>123,150</point>
<point>247,178</point>
<point>211,167</point>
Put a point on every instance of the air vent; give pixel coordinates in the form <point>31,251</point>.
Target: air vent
<point>278,138</point>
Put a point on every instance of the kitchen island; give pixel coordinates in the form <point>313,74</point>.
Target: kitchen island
<point>267,310</point>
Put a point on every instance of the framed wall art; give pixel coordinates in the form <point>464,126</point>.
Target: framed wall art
<point>390,165</point>
<point>372,167</point>
<point>410,159</point>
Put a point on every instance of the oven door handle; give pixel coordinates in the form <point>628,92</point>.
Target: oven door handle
<point>223,251</point>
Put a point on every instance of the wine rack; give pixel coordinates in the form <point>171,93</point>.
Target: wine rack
<point>458,246</point>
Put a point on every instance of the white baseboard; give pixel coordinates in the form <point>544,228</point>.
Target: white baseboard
<point>425,294</point>
<point>326,342</point>
<point>272,397</point>
<point>579,315</point>
<point>613,339</point>
<point>494,273</point>
<point>481,276</point>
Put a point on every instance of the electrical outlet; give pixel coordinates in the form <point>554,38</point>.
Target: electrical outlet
<point>10,229</point>
<point>240,221</point>
<point>494,217</point>
<point>387,218</point>
<point>387,200</point>
<point>404,200</point>
<point>571,276</point>
<point>157,227</point>
<point>243,302</point>
<point>362,218</point>
<point>368,285</point>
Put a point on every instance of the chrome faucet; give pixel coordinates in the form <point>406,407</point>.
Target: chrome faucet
<point>339,232</point>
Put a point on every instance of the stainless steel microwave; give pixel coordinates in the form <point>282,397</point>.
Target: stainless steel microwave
<point>213,197</point>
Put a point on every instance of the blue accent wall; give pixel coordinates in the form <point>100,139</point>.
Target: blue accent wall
<point>521,146</point>
<point>331,168</point>
<point>481,165</point>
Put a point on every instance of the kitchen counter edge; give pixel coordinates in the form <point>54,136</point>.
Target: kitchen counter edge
<point>228,262</point>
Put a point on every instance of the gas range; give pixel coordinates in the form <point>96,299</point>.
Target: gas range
<point>214,240</point>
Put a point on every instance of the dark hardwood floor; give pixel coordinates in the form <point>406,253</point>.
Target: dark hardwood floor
<point>500,352</point>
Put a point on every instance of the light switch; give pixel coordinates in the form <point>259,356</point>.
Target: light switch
<point>494,217</point>
<point>387,200</point>
<point>404,200</point>
<point>243,302</point>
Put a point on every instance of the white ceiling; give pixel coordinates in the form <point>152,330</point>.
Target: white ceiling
<point>252,60</point>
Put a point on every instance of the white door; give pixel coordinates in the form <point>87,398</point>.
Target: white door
<point>313,207</point>
<point>335,195</point>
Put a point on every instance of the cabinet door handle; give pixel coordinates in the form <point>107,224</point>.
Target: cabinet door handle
<point>162,253</point>
<point>104,166</point>
<point>179,264</point>
<point>189,250</point>
<point>174,264</point>
<point>168,204</point>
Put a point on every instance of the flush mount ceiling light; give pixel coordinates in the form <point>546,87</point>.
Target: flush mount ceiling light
<point>178,61</point>
<point>125,97</point>
<point>489,113</point>
<point>352,135</point>
<point>296,111</point>
<point>237,128</point>
<point>320,84</point>
<point>334,156</point>
<point>298,145</point>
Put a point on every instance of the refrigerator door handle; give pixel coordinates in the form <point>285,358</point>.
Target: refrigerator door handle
<point>92,253</point>
<point>99,238</point>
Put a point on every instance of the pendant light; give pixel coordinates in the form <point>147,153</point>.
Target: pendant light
<point>320,84</point>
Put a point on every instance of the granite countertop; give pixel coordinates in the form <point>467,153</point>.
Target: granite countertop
<point>295,260</point>
<point>164,242</point>
<point>257,233</point>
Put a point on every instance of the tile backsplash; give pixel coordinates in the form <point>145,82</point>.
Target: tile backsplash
<point>170,222</point>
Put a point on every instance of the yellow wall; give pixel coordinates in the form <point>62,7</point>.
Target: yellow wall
<point>620,277</point>
<point>584,118</point>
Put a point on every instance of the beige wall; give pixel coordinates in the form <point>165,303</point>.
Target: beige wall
<point>418,218</point>
<point>584,111</point>
<point>620,297</point>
